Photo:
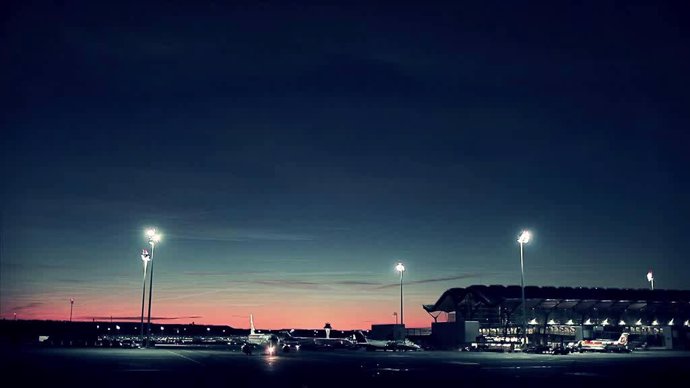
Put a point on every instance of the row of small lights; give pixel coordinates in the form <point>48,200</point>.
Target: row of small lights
<point>117,327</point>
<point>605,322</point>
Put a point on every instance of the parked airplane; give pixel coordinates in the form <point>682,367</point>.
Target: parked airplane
<point>318,343</point>
<point>371,345</point>
<point>605,345</point>
<point>267,342</point>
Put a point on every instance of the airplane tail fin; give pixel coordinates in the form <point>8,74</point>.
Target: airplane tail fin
<point>359,337</point>
<point>623,340</point>
<point>252,330</point>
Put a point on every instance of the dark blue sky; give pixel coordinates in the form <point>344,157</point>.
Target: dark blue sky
<point>299,150</point>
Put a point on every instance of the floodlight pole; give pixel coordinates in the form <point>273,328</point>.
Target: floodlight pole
<point>148,324</point>
<point>522,285</point>
<point>401,298</point>
<point>401,268</point>
<point>523,239</point>
<point>144,260</point>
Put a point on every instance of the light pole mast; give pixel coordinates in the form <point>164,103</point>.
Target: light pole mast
<point>650,278</point>
<point>401,268</point>
<point>145,258</point>
<point>71,307</point>
<point>153,239</point>
<point>523,239</point>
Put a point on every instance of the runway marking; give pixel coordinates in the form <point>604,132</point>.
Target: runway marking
<point>463,363</point>
<point>587,374</point>
<point>526,367</point>
<point>185,357</point>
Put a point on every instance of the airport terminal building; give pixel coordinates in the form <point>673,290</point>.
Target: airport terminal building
<point>493,315</point>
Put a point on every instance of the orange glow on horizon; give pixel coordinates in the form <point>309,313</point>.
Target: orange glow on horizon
<point>346,315</point>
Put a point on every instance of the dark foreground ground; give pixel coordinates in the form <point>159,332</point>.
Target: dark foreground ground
<point>166,367</point>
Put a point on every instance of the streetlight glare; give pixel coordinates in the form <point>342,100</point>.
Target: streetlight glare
<point>150,233</point>
<point>156,237</point>
<point>524,237</point>
<point>400,267</point>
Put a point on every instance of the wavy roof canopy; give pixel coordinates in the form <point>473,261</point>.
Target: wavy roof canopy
<point>562,297</point>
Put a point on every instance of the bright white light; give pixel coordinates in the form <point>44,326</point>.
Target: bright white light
<point>621,323</point>
<point>208,329</point>
<point>588,321</point>
<point>400,267</point>
<point>687,323</point>
<point>271,349</point>
<point>605,322</point>
<point>117,327</point>
<point>551,322</point>
<point>570,322</point>
<point>153,236</point>
<point>162,328</point>
<point>533,322</point>
<point>650,276</point>
<point>655,323</point>
<point>524,237</point>
<point>670,323</point>
<point>639,322</point>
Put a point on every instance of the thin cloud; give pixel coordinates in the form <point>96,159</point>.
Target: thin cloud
<point>354,283</point>
<point>131,318</point>
<point>285,260</point>
<point>222,273</point>
<point>289,283</point>
<point>27,306</point>
<point>433,280</point>
<point>73,281</point>
<point>242,236</point>
<point>202,274</point>
<point>186,296</point>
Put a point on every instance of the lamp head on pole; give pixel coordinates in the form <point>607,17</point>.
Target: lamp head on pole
<point>524,237</point>
<point>400,268</point>
<point>650,276</point>
<point>153,236</point>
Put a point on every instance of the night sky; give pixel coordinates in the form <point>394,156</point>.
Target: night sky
<point>292,153</point>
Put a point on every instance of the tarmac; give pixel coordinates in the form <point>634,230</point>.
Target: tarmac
<point>220,367</point>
